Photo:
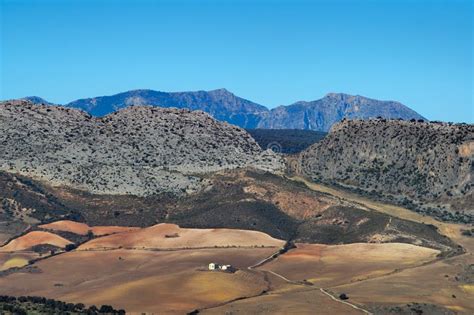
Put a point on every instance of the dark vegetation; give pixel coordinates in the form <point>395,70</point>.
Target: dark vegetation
<point>52,203</point>
<point>226,205</point>
<point>45,249</point>
<point>288,141</point>
<point>23,200</point>
<point>41,305</point>
<point>342,225</point>
<point>468,232</point>
<point>343,296</point>
<point>411,309</point>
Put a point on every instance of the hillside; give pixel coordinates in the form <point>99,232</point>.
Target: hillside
<point>404,161</point>
<point>318,115</point>
<point>139,150</point>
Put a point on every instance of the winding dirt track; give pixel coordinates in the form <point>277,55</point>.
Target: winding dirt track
<point>344,302</point>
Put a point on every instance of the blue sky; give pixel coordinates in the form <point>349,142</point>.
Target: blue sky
<point>272,52</point>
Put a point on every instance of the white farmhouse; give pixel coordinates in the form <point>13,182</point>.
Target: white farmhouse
<point>213,266</point>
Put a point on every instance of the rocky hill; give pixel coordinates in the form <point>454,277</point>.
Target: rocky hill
<point>221,104</point>
<point>323,113</point>
<point>408,161</point>
<point>139,150</point>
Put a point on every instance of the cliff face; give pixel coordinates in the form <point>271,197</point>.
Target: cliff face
<point>418,161</point>
<point>139,150</point>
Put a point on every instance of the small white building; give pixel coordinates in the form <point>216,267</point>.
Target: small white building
<point>213,266</point>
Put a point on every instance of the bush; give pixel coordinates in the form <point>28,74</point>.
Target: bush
<point>343,296</point>
<point>106,309</point>
<point>70,247</point>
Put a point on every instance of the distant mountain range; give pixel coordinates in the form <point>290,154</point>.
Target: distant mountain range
<point>223,105</point>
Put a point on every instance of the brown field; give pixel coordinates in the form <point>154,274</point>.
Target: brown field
<point>83,229</point>
<point>31,239</point>
<point>328,265</point>
<point>141,280</point>
<point>298,300</point>
<point>171,236</point>
<point>435,283</point>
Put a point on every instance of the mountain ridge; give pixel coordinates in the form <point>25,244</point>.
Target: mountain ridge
<point>223,105</point>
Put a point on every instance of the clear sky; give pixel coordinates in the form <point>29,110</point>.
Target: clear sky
<point>271,52</point>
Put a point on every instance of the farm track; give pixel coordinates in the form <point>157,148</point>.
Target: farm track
<point>344,302</point>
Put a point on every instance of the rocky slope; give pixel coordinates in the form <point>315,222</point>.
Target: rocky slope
<point>408,161</point>
<point>318,115</point>
<point>139,150</point>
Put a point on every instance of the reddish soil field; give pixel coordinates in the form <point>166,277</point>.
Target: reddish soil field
<point>171,236</point>
<point>83,229</point>
<point>34,238</point>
